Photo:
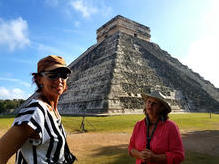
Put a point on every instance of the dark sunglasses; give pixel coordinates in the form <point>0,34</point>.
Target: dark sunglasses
<point>55,75</point>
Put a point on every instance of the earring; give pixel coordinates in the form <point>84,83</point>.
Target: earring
<point>41,86</point>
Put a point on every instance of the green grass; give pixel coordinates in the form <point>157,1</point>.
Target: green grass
<point>125,123</point>
<point>196,121</point>
<point>5,122</point>
<point>122,123</point>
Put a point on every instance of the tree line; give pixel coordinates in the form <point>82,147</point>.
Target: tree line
<point>6,105</point>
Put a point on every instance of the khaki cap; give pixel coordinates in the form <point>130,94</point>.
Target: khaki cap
<point>52,62</point>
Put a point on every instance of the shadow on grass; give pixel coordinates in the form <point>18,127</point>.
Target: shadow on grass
<point>115,154</point>
<point>200,158</point>
<point>206,142</point>
<point>201,147</point>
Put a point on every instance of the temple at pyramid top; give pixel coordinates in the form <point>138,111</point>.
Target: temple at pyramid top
<point>125,25</point>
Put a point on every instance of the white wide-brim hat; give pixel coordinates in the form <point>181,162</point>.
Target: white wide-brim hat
<point>158,96</point>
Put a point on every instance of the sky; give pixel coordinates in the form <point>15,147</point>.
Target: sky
<point>33,29</point>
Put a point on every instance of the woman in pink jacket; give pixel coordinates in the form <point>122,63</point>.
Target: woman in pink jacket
<point>155,139</point>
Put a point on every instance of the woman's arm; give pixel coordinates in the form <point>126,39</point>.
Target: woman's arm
<point>13,139</point>
<point>175,155</point>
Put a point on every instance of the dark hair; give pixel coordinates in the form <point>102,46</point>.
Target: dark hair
<point>164,113</point>
<point>34,80</point>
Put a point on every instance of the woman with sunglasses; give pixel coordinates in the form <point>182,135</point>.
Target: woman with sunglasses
<point>37,134</point>
<point>155,139</point>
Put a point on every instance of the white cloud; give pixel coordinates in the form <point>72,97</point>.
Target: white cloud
<point>82,6</point>
<point>46,49</point>
<point>16,80</point>
<point>15,93</point>
<point>14,33</point>
<point>203,54</point>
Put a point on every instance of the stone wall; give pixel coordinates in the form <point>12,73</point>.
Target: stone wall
<point>90,81</point>
<point>133,75</point>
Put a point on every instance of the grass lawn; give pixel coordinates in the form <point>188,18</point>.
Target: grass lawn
<point>124,124</point>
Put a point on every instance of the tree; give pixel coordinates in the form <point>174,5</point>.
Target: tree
<point>10,104</point>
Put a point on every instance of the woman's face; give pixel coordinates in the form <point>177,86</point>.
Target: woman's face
<point>52,87</point>
<point>153,107</point>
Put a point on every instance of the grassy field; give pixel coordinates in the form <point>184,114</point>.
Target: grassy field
<point>124,124</point>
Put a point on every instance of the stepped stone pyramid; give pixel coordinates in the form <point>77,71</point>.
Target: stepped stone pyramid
<point>109,77</point>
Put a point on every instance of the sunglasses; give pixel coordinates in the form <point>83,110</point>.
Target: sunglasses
<point>55,75</point>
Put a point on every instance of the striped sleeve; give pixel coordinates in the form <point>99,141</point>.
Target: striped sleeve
<point>32,115</point>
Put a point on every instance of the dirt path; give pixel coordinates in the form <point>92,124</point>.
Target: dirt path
<point>206,142</point>
<point>87,144</point>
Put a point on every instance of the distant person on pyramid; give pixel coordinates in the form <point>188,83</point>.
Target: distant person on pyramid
<point>37,134</point>
<point>155,139</point>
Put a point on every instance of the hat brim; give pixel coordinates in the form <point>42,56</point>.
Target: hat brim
<point>59,67</point>
<point>146,96</point>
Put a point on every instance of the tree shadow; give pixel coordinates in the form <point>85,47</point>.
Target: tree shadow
<point>206,142</point>
<point>116,154</point>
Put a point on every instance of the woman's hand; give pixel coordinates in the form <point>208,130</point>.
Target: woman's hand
<point>147,155</point>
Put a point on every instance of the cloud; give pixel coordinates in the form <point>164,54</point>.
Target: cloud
<point>16,80</point>
<point>15,93</point>
<point>203,54</point>
<point>14,33</point>
<point>82,6</point>
<point>46,49</point>
<point>85,7</point>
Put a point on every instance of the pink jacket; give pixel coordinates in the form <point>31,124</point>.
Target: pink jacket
<point>166,140</point>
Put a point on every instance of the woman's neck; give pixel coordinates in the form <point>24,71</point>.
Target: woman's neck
<point>52,101</point>
<point>153,119</point>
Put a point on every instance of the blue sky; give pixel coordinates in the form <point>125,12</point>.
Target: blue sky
<point>32,29</point>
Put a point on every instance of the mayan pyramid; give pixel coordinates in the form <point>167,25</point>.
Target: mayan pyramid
<point>109,77</point>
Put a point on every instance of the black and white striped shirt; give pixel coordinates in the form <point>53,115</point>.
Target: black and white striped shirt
<point>49,149</point>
